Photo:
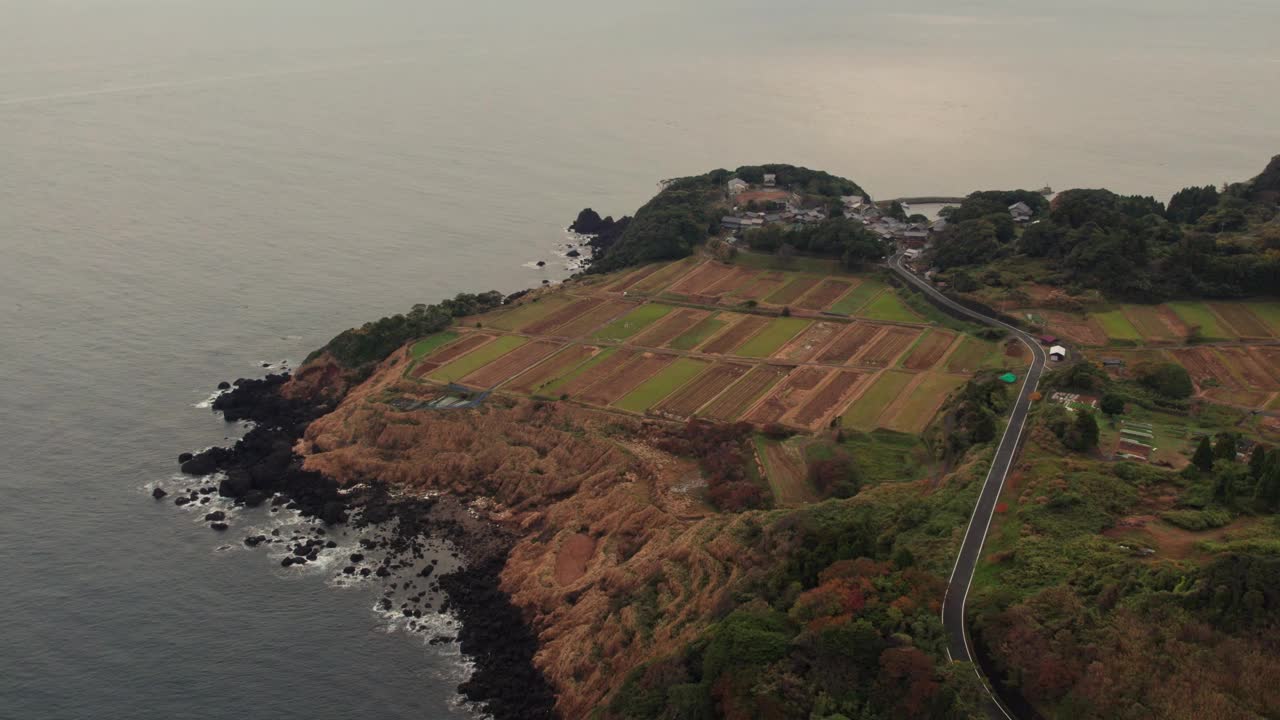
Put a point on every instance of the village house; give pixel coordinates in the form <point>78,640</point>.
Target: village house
<point>1020,211</point>
<point>770,180</point>
<point>737,185</point>
<point>737,224</point>
<point>1057,353</point>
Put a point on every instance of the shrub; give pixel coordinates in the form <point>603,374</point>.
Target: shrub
<point>1196,520</point>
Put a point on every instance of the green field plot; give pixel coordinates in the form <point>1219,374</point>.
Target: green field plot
<point>552,388</point>
<point>888,306</point>
<point>477,359</point>
<point>1146,320</point>
<point>860,295</point>
<point>665,382</point>
<point>525,313</point>
<point>974,355</point>
<point>698,334</point>
<point>1117,326</point>
<point>865,411</point>
<point>885,456</point>
<point>1197,314</point>
<point>431,343</point>
<point>1268,311</point>
<point>773,336</point>
<point>633,322</point>
<point>924,401</point>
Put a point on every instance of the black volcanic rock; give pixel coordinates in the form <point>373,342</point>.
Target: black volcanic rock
<point>158,493</point>
<point>185,457</point>
<point>224,385</point>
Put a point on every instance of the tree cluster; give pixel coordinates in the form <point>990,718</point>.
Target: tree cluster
<point>723,456</point>
<point>840,237</point>
<point>374,341</point>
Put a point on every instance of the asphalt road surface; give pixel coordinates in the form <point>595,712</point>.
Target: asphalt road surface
<point>959,646</point>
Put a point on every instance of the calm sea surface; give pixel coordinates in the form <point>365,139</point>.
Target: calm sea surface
<point>189,188</point>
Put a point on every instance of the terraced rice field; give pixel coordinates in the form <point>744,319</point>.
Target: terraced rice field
<point>533,379</point>
<point>1204,366</point>
<point>1255,370</point>
<point>560,316</point>
<point>970,356</point>
<point>431,343</point>
<point>850,343</point>
<point>662,384</point>
<point>702,278</point>
<point>664,276</point>
<point>736,335</point>
<point>633,322</point>
<point>792,291</point>
<point>670,327</point>
<point>739,277</point>
<point>448,353</point>
<point>788,395</point>
<point>1155,323</point>
<point>741,395</point>
<point>1197,314</point>
<point>886,348</point>
<point>594,318</point>
<point>477,358</point>
<point>1117,326</point>
<point>929,350</point>
<point>888,306</point>
<point>860,295</point>
<point>913,413</point>
<point>598,366</point>
<point>1241,320</point>
<point>826,293</point>
<point>627,281</point>
<point>1268,312</point>
<point>698,334</point>
<point>774,335</point>
<point>702,389</point>
<point>1084,331</point>
<point>804,346</point>
<point>624,378</point>
<point>824,401</point>
<point>866,410</point>
<point>762,284</point>
<point>528,311</point>
<point>511,364</point>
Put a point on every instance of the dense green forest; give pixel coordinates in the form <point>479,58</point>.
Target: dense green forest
<point>1205,243</point>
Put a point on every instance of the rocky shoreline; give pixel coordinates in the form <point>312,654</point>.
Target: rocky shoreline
<point>261,467</point>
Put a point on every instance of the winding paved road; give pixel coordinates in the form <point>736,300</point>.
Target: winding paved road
<point>959,646</point>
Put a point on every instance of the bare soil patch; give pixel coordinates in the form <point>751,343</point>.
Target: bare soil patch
<point>561,316</point>
<point>807,344</point>
<point>629,281</point>
<point>739,277</point>
<point>685,402</point>
<point>700,280</point>
<point>571,561</point>
<point>843,348</point>
<point>1256,375</point>
<point>1203,365</point>
<point>739,333</point>
<point>1241,320</point>
<point>511,364</point>
<point>1084,331</point>
<point>625,379</point>
<point>601,370</point>
<point>792,291</point>
<point>764,284</point>
<point>930,350</point>
<point>670,327</point>
<point>594,318</point>
<point>760,196</point>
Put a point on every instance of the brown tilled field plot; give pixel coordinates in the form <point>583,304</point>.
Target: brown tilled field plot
<point>702,389</point>
<point>1256,375</point>
<point>835,395</point>
<point>626,282</point>
<point>594,318</point>
<point>887,347</point>
<point>827,292</point>
<point>734,280</point>
<point>792,291</point>
<point>532,379</point>
<point>665,275</point>
<point>670,327</point>
<point>736,335</point>
<point>560,317</point>
<point>857,336</point>
<point>625,379</point>
<point>742,394</point>
<point>929,351</point>
<point>1150,323</point>
<point>511,364</point>
<point>1241,320</point>
<point>1202,365</point>
<point>450,352</point>
<point>1084,331</point>
<point>807,344</point>
<point>788,395</point>
<point>602,369</point>
<point>765,283</point>
<point>702,279</point>
<point>1269,359</point>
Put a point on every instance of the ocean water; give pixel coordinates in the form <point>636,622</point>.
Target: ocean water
<point>191,188</point>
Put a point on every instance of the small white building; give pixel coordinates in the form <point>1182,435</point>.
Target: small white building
<point>1057,353</point>
<point>737,185</point>
<point>770,179</point>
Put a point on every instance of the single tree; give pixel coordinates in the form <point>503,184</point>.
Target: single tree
<point>1258,461</point>
<point>1225,447</point>
<point>1203,457</point>
<point>1112,404</point>
<point>1087,426</point>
